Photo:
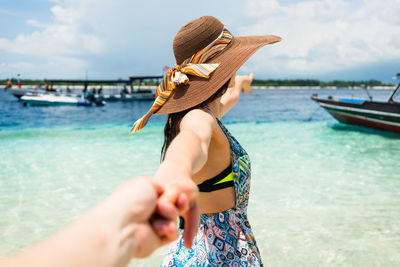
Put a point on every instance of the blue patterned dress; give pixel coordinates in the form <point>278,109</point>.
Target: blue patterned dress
<point>224,238</point>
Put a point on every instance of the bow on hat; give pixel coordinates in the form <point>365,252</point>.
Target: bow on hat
<point>177,75</point>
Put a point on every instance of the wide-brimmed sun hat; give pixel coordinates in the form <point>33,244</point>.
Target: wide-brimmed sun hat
<point>207,56</point>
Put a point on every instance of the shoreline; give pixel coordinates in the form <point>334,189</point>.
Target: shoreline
<point>258,87</point>
<point>322,87</point>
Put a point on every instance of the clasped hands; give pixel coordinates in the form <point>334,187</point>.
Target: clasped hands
<point>147,214</point>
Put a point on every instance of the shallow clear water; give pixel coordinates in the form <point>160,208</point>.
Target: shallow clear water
<point>323,193</point>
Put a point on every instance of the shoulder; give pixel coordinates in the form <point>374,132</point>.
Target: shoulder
<point>198,120</point>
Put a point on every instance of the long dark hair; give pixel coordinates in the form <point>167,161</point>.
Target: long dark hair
<point>172,126</point>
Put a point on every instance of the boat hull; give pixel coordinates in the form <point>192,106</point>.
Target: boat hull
<point>50,100</point>
<point>134,96</point>
<point>130,97</point>
<point>377,115</point>
<point>19,92</point>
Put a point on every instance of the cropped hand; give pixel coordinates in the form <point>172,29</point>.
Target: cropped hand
<point>146,220</point>
<point>132,222</point>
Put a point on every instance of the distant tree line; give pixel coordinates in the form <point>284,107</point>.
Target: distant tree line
<point>311,82</point>
<point>256,82</point>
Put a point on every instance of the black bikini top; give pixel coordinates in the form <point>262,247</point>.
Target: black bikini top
<point>223,180</point>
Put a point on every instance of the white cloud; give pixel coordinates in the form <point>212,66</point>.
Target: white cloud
<point>99,34</point>
<point>124,37</point>
<point>34,23</point>
<point>324,36</point>
<point>60,43</point>
<point>64,36</point>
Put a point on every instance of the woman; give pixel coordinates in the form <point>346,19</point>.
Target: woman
<point>199,151</point>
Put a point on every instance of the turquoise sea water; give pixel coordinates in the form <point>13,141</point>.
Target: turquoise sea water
<point>322,194</point>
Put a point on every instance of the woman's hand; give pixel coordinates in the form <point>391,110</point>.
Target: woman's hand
<point>244,82</point>
<point>181,191</point>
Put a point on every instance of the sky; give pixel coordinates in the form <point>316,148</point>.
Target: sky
<point>111,39</point>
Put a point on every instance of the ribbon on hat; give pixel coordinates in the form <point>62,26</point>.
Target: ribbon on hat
<point>177,75</point>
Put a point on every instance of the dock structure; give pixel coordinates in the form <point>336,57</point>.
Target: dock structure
<point>85,83</point>
<point>141,79</point>
<point>133,85</point>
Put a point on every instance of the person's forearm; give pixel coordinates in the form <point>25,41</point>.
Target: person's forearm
<point>232,95</point>
<point>90,241</point>
<point>229,99</point>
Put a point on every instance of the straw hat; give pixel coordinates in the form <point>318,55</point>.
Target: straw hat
<point>196,35</point>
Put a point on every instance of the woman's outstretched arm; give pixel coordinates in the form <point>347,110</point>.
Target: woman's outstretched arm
<point>185,156</point>
<point>230,98</point>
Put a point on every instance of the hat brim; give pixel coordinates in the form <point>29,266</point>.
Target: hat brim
<point>230,60</point>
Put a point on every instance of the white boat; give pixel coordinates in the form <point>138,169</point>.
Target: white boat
<point>141,94</point>
<point>19,92</point>
<point>53,100</point>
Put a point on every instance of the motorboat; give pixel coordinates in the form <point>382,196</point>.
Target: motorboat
<point>19,92</point>
<point>53,100</point>
<point>374,114</point>
<point>142,94</point>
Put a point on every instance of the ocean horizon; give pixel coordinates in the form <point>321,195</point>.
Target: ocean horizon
<point>322,193</point>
